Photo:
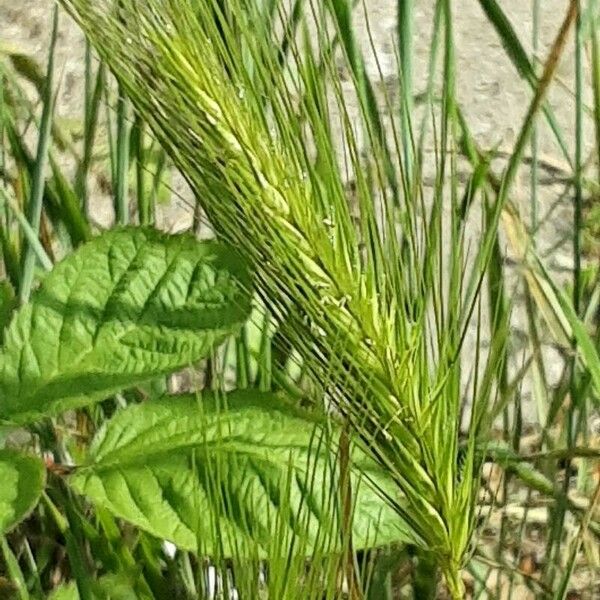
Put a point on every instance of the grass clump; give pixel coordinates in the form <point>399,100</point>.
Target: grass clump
<point>366,283</point>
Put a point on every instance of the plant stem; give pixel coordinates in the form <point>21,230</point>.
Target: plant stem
<point>534,131</point>
<point>122,166</point>
<point>14,570</point>
<point>346,498</point>
<point>454,582</point>
<point>405,32</point>
<point>37,186</point>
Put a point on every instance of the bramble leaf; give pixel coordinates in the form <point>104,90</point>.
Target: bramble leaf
<point>234,480</point>
<point>126,307</point>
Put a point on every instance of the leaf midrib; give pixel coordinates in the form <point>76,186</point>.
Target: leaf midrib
<point>125,460</point>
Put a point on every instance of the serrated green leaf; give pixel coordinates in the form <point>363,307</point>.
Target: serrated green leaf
<point>158,464</point>
<point>22,480</point>
<point>124,308</point>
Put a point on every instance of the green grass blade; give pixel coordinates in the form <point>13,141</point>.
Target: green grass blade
<point>405,25</point>
<point>30,235</point>
<point>518,56</point>
<point>586,346</point>
<point>523,138</point>
<point>92,108</point>
<point>595,56</point>
<point>17,578</point>
<point>341,11</point>
<point>37,187</point>
<point>120,185</point>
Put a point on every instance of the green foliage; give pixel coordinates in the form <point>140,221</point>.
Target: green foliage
<point>22,480</point>
<point>154,465</point>
<point>109,587</point>
<point>367,282</point>
<point>359,317</point>
<point>128,306</point>
<point>7,305</point>
<point>134,303</point>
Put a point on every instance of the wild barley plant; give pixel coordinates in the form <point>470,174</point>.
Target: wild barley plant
<point>366,282</point>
